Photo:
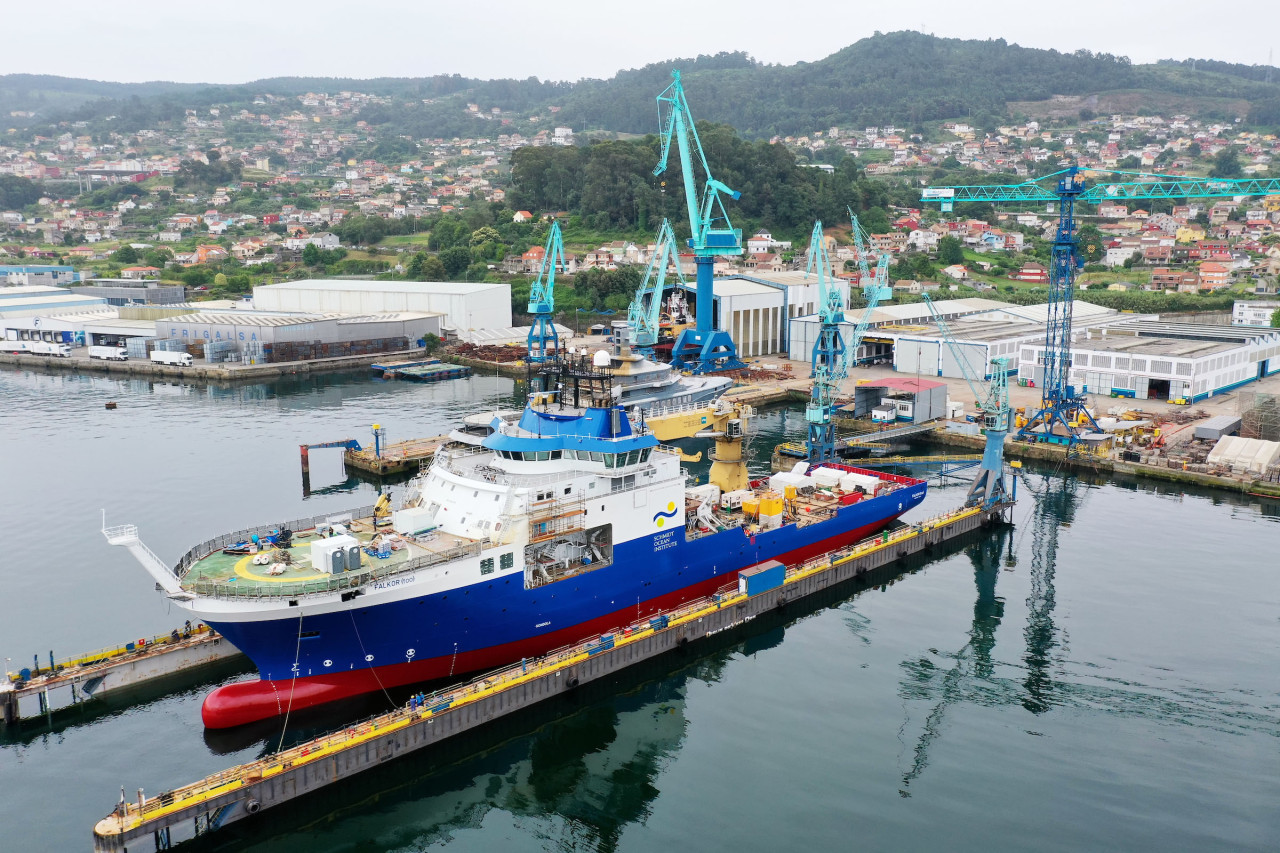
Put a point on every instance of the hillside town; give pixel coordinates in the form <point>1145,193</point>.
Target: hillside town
<point>233,197</point>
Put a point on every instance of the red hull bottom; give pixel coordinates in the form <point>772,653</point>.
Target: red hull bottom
<point>250,701</point>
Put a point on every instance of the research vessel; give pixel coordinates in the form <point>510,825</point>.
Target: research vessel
<point>558,525</point>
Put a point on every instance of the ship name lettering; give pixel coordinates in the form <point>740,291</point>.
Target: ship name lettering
<point>393,582</point>
<point>663,541</point>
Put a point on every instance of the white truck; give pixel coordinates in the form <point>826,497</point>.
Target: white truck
<point>50,349</point>
<point>109,353</point>
<point>13,346</point>
<point>179,359</point>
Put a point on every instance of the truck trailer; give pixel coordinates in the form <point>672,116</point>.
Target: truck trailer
<point>109,353</point>
<point>178,359</point>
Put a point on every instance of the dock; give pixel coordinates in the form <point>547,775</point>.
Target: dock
<point>399,457</point>
<point>158,822</point>
<point>427,370</point>
<point>41,691</point>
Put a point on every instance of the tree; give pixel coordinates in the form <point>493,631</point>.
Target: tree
<point>220,280</point>
<point>1275,319</point>
<point>311,254</point>
<point>950,251</point>
<point>433,270</point>
<point>1194,149</point>
<point>125,255</point>
<point>1090,241</point>
<point>1226,164</point>
<point>431,343</point>
<point>455,260</point>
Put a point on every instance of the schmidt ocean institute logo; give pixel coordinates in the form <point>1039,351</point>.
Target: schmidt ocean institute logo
<point>660,518</point>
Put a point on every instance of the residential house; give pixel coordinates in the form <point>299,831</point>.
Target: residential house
<point>1032,272</point>
<point>139,272</point>
<point>957,272</point>
<point>1214,276</point>
<point>522,216</point>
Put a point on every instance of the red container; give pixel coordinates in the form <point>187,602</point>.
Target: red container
<point>850,499</point>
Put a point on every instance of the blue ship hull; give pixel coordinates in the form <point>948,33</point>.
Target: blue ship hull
<point>320,658</point>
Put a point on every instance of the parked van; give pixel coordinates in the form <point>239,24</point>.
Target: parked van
<point>109,353</point>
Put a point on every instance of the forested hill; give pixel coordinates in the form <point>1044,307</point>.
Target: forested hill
<point>47,95</point>
<point>902,78</point>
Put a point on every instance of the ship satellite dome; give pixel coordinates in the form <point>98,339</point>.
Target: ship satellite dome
<point>601,358</point>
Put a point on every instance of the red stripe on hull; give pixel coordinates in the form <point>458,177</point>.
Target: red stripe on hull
<point>250,701</point>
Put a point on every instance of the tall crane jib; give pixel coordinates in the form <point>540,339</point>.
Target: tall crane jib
<point>703,348</point>
<point>1062,416</point>
<point>645,312</point>
<point>989,488</point>
<point>544,343</point>
<point>830,358</point>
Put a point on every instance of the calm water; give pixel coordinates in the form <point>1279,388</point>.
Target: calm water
<point>1102,677</point>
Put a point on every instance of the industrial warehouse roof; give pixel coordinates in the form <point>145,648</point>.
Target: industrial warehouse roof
<point>508,335</point>
<point>915,386</point>
<point>253,318</point>
<point>1170,347</point>
<point>1040,313</point>
<point>390,317</point>
<point>446,287</point>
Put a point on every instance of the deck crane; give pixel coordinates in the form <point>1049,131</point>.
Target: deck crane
<point>544,343</point>
<point>988,488</point>
<point>1060,404</point>
<point>645,312</point>
<point>704,348</point>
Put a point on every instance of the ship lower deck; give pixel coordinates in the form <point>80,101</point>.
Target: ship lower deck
<point>291,570</point>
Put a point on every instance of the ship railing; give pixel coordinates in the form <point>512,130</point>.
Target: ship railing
<point>204,549</point>
<point>334,583</point>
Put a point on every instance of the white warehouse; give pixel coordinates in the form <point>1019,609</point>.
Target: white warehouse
<point>466,305</point>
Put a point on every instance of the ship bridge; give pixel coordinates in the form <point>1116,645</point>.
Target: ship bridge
<point>542,435</point>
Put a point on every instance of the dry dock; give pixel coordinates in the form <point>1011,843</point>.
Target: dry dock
<point>72,681</point>
<point>158,822</point>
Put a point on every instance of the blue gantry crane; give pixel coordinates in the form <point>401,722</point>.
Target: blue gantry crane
<point>544,343</point>
<point>645,312</point>
<point>992,399</point>
<point>1062,411</point>
<point>703,348</point>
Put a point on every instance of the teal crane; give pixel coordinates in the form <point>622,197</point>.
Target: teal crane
<point>830,364</point>
<point>831,351</point>
<point>992,399</point>
<point>1062,410</point>
<point>544,343</point>
<point>704,348</point>
<point>862,245</point>
<point>645,312</point>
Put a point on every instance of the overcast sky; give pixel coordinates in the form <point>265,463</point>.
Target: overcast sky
<point>234,41</point>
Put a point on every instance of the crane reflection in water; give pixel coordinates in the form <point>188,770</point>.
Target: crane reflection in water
<point>971,676</point>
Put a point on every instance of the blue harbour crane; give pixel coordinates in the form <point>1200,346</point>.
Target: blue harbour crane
<point>704,348</point>
<point>645,312</point>
<point>989,488</point>
<point>544,343</point>
<point>1062,412</point>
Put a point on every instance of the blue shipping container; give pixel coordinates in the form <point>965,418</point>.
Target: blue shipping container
<point>762,578</point>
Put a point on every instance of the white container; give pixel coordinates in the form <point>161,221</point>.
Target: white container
<point>413,520</point>
<point>733,500</point>
<point>322,551</point>
<point>109,353</point>
<point>709,493</point>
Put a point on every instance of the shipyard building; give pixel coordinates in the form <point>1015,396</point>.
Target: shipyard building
<point>1125,355</point>
<point>463,305</point>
